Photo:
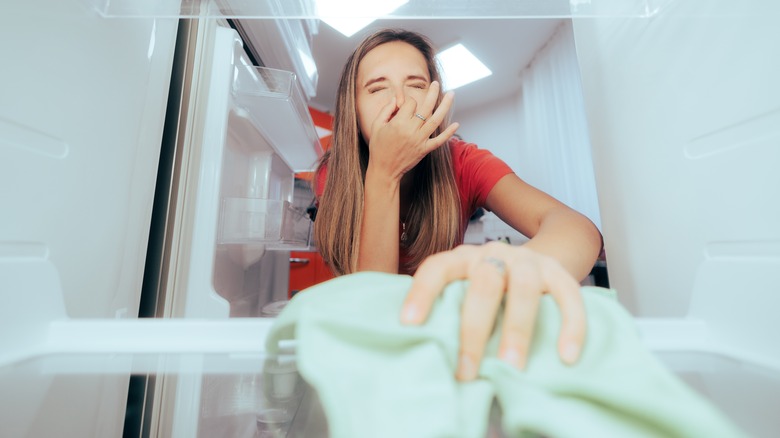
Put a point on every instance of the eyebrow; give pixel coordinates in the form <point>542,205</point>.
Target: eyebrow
<point>382,78</point>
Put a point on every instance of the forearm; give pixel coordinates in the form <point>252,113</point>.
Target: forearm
<point>570,238</point>
<point>379,228</point>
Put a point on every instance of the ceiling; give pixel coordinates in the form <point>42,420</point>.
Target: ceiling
<point>506,46</point>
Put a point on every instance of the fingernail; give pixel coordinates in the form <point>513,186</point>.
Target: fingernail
<point>466,368</point>
<point>512,357</point>
<point>570,353</point>
<point>410,314</point>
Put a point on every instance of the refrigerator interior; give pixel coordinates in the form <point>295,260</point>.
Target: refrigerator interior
<point>240,220</point>
<point>683,113</point>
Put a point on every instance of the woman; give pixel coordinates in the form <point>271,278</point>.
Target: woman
<point>394,165</point>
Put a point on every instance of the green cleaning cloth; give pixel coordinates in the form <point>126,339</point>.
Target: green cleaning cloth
<point>378,378</point>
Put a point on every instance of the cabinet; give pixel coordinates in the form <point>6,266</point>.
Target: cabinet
<point>307,268</point>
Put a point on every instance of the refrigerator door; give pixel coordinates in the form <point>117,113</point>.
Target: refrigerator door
<point>250,129</point>
<point>81,119</point>
<point>82,105</point>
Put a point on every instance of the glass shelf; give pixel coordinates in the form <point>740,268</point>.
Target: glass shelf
<point>429,9</point>
<point>251,220</point>
<point>228,394</point>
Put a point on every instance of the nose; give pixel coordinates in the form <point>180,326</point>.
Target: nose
<point>400,96</point>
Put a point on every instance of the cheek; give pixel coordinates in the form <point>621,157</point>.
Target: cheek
<point>366,115</point>
<point>365,131</point>
<point>418,96</point>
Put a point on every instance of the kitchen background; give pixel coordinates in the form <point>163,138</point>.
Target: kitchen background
<point>529,112</point>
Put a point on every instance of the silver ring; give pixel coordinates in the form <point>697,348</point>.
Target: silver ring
<point>498,263</point>
<point>420,116</point>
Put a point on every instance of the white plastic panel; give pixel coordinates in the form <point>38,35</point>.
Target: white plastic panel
<point>273,102</point>
<point>255,124</point>
<point>413,8</point>
<point>81,117</point>
<point>32,298</point>
<point>286,45</point>
<point>684,113</point>
<point>259,220</point>
<point>82,105</point>
<point>198,296</point>
<point>76,382</point>
<point>748,394</point>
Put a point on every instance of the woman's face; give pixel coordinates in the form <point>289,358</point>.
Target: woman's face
<point>394,69</point>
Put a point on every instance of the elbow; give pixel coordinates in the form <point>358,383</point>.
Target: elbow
<point>593,237</point>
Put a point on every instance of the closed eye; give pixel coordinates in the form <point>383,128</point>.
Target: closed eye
<point>375,89</point>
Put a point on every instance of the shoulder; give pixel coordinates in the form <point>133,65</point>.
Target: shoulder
<point>320,176</point>
<point>468,157</point>
<point>476,172</point>
<point>460,149</point>
<point>462,153</point>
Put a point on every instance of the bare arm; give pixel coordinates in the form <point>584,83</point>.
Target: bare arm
<point>555,230</point>
<point>563,247</point>
<point>379,230</point>
<point>398,141</point>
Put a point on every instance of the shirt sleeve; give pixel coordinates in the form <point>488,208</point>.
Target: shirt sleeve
<point>319,178</point>
<point>477,172</point>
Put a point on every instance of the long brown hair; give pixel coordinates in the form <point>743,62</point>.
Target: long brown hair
<point>433,222</point>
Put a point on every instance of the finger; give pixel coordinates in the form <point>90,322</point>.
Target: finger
<point>438,116</point>
<point>407,109</point>
<point>524,291</point>
<point>429,281</point>
<point>434,121</point>
<point>429,103</point>
<point>566,292</point>
<point>384,116</point>
<point>435,142</point>
<point>480,306</point>
<point>386,113</point>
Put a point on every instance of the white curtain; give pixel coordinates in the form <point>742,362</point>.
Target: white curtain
<point>557,144</point>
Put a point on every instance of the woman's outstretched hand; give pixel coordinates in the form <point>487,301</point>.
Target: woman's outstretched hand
<point>401,136</point>
<point>495,270</point>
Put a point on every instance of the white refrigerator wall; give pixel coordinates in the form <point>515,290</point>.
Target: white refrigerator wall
<point>684,115</point>
<point>81,114</point>
<point>82,105</point>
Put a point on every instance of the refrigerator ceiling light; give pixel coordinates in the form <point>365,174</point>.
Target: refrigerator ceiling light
<point>460,67</point>
<point>349,16</point>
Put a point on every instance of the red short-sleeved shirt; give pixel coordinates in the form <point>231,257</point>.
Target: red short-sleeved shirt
<point>476,173</point>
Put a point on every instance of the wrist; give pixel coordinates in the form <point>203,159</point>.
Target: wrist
<point>379,177</point>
